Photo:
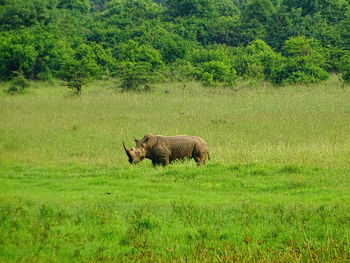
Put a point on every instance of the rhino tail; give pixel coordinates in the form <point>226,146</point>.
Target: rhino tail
<point>208,156</point>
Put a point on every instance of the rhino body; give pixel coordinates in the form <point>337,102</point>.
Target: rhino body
<point>165,149</point>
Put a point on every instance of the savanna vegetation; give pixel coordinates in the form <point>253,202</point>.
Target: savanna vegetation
<point>264,82</point>
<point>277,187</point>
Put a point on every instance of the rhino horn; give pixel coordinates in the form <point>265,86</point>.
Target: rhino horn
<point>126,150</point>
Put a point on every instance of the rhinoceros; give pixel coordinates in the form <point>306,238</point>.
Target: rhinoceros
<point>165,149</point>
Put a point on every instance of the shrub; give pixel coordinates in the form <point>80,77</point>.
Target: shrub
<point>135,76</point>
<point>303,63</point>
<point>297,70</point>
<point>214,72</point>
<point>17,85</point>
<point>216,53</point>
<point>139,65</point>
<point>213,66</point>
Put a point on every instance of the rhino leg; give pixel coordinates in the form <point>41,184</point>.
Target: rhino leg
<point>154,162</point>
<point>200,154</point>
<point>160,161</point>
<point>163,161</point>
<point>200,159</point>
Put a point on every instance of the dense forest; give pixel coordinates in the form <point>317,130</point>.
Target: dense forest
<point>143,41</point>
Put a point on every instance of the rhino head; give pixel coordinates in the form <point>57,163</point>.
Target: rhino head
<point>138,153</point>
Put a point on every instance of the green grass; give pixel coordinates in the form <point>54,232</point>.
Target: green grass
<point>277,187</point>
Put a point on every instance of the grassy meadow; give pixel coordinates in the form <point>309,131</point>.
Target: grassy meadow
<point>277,187</point>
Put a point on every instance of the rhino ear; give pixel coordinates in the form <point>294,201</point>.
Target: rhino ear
<point>144,141</point>
<point>136,140</point>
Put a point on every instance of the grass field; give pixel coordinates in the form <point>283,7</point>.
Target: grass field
<point>277,187</point>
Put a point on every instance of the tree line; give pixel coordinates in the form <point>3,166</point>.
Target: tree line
<point>142,41</point>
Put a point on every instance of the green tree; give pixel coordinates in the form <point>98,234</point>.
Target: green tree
<point>138,65</point>
<point>18,13</point>
<point>198,8</point>
<point>304,64</point>
<point>17,53</point>
<point>345,31</point>
<point>82,6</point>
<point>225,30</point>
<point>256,16</point>
<point>78,66</point>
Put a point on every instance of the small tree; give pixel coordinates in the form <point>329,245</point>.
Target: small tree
<point>78,67</point>
<point>74,75</point>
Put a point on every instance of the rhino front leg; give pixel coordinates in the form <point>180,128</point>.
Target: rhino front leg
<point>163,160</point>
<point>154,162</point>
<point>199,161</point>
<point>200,158</point>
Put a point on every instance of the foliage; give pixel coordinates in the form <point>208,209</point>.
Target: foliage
<point>17,85</point>
<point>79,5</point>
<point>17,53</point>
<point>213,73</point>
<point>15,14</point>
<point>134,76</point>
<point>345,68</point>
<point>38,38</point>
<point>256,14</point>
<point>298,70</point>
<point>139,65</point>
<point>303,63</point>
<point>198,8</point>
<point>81,65</point>
<point>212,66</point>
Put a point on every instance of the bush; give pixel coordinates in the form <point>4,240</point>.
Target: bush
<point>212,66</point>
<point>135,76</point>
<point>17,85</point>
<point>297,70</point>
<point>211,53</point>
<point>303,63</point>
<point>213,73</point>
<point>139,65</point>
<point>257,60</point>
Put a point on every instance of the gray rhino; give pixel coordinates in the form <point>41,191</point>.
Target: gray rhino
<point>165,149</point>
